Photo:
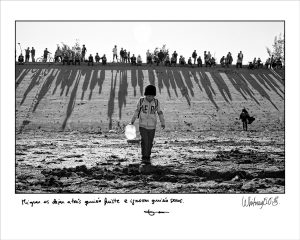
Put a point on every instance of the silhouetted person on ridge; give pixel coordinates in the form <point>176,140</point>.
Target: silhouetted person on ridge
<point>160,57</point>
<point>272,65</point>
<point>182,60</point>
<point>149,57</point>
<point>254,63</point>
<point>213,62</point>
<point>228,59</point>
<point>175,55</point>
<point>72,57</point>
<point>199,61</point>
<point>239,62</point>
<point>259,64</point>
<point>194,55</point>
<point>91,60</point>
<point>27,54</point>
<point>128,57</point>
<point>97,58</point>
<point>115,53</point>
<point>104,60</point>
<point>125,56</point>
<point>173,61</point>
<point>167,61</point>
<point>32,54</point>
<point>121,55</point>
<point>77,58</point>
<point>83,52</point>
<point>21,59</point>
<point>190,62</point>
<point>133,60</point>
<point>46,52</point>
<point>207,58</point>
<point>66,58</point>
<point>278,63</point>
<point>139,60</point>
<point>58,55</point>
<point>222,61</point>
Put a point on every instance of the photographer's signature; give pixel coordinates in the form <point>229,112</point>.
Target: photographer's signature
<point>254,202</point>
<point>152,213</point>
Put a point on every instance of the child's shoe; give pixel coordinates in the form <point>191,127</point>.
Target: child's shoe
<point>145,167</point>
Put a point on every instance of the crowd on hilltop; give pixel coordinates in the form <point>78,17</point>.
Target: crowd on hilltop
<point>157,57</point>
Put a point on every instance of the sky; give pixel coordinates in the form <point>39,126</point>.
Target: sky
<point>219,38</point>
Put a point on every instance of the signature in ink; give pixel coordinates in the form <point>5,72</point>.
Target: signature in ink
<point>152,213</point>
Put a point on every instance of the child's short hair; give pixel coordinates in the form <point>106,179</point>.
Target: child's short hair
<point>150,90</point>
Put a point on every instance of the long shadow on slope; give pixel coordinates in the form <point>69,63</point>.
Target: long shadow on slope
<point>68,78</point>
<point>180,84</point>
<point>260,80</point>
<point>266,82</point>
<point>194,74</point>
<point>97,79</point>
<point>123,91</point>
<point>46,86</point>
<point>172,81</point>
<point>59,79</point>
<point>141,81</point>
<point>62,81</point>
<point>163,78</point>
<point>160,75</point>
<point>240,85</point>
<point>258,88</point>
<point>188,81</point>
<point>151,76</point>
<point>166,80</point>
<point>86,82</point>
<point>208,87</point>
<point>21,76</point>
<point>72,99</point>
<point>134,81</point>
<point>279,74</point>
<point>34,81</point>
<point>111,101</point>
<point>223,88</point>
<point>65,78</point>
<point>272,82</point>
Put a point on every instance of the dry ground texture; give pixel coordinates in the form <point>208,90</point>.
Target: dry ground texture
<point>70,130</point>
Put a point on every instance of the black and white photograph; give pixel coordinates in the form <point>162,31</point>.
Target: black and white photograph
<point>150,120</point>
<point>156,107</point>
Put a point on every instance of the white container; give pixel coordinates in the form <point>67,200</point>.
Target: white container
<point>130,132</point>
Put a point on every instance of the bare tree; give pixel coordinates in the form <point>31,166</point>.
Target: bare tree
<point>277,48</point>
<point>74,49</point>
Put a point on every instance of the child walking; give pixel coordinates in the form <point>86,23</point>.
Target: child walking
<point>246,119</point>
<point>146,110</point>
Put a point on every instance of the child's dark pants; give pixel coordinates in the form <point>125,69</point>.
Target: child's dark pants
<point>245,125</point>
<point>147,136</point>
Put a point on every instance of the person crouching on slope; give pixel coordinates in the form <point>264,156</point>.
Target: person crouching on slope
<point>146,110</point>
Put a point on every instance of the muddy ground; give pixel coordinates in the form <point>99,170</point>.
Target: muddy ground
<point>185,162</point>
